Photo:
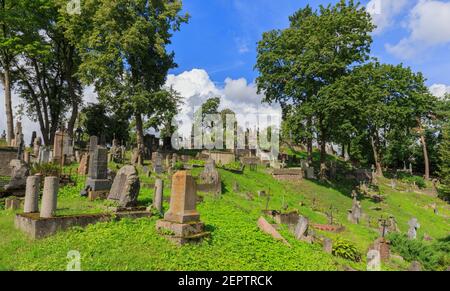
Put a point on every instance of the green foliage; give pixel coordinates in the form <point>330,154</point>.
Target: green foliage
<point>178,166</point>
<point>347,250</point>
<point>233,166</point>
<point>419,181</point>
<point>46,170</point>
<point>444,152</point>
<point>432,257</point>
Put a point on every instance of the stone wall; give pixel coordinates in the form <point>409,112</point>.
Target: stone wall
<point>6,155</point>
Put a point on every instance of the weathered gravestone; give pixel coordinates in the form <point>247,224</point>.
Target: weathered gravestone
<point>44,155</point>
<point>158,197</point>
<point>157,163</point>
<point>301,229</point>
<point>83,168</point>
<point>19,174</point>
<point>37,146</point>
<point>269,229</point>
<point>49,197</point>
<point>182,220</point>
<point>126,186</point>
<point>328,246</point>
<point>413,227</point>
<point>12,203</point>
<point>210,178</point>
<point>355,214</point>
<point>32,194</point>
<point>98,172</point>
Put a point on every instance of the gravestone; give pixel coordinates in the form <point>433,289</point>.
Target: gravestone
<point>58,147</point>
<point>158,197</point>
<point>383,246</point>
<point>126,186</point>
<point>182,220</point>
<point>37,146</point>
<point>328,246</point>
<point>413,227</point>
<point>27,157</point>
<point>301,229</point>
<point>355,214</point>
<point>19,174</point>
<point>44,155</point>
<point>269,229</point>
<point>32,194</point>
<point>98,172</point>
<point>49,197</point>
<point>373,260</point>
<point>157,163</point>
<point>210,175</point>
<point>83,168</point>
<point>309,172</point>
<point>115,152</point>
<point>12,203</point>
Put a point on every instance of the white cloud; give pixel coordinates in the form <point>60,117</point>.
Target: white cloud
<point>439,90</point>
<point>242,45</point>
<point>238,95</point>
<point>429,25</point>
<point>383,12</point>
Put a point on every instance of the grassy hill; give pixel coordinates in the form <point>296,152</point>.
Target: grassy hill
<point>236,242</point>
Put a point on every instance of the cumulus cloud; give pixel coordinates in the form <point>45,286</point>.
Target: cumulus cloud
<point>241,97</point>
<point>439,90</point>
<point>383,12</point>
<point>429,26</point>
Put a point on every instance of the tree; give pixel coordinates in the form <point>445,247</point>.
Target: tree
<point>123,47</point>
<point>46,72</point>
<point>318,48</point>
<point>13,16</point>
<point>386,101</point>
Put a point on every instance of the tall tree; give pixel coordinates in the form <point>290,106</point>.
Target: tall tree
<point>386,101</point>
<point>12,18</point>
<point>46,72</point>
<point>123,46</point>
<point>319,47</point>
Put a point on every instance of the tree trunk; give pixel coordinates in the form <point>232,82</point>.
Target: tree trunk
<point>323,157</point>
<point>140,136</point>
<point>376,155</point>
<point>426,160</point>
<point>6,80</point>
<point>309,143</point>
<point>343,151</point>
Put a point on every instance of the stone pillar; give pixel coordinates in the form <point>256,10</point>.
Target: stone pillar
<point>27,157</point>
<point>158,197</point>
<point>183,199</point>
<point>32,195</point>
<point>49,197</point>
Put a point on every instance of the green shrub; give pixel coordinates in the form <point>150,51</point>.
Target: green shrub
<point>420,182</point>
<point>234,166</point>
<point>46,170</point>
<point>431,256</point>
<point>345,249</point>
<point>178,166</point>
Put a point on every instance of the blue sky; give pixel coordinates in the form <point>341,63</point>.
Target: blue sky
<point>216,50</point>
<point>221,36</point>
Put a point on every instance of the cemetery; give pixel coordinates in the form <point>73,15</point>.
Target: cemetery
<point>128,187</point>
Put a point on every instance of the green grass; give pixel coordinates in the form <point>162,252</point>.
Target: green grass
<point>236,243</point>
